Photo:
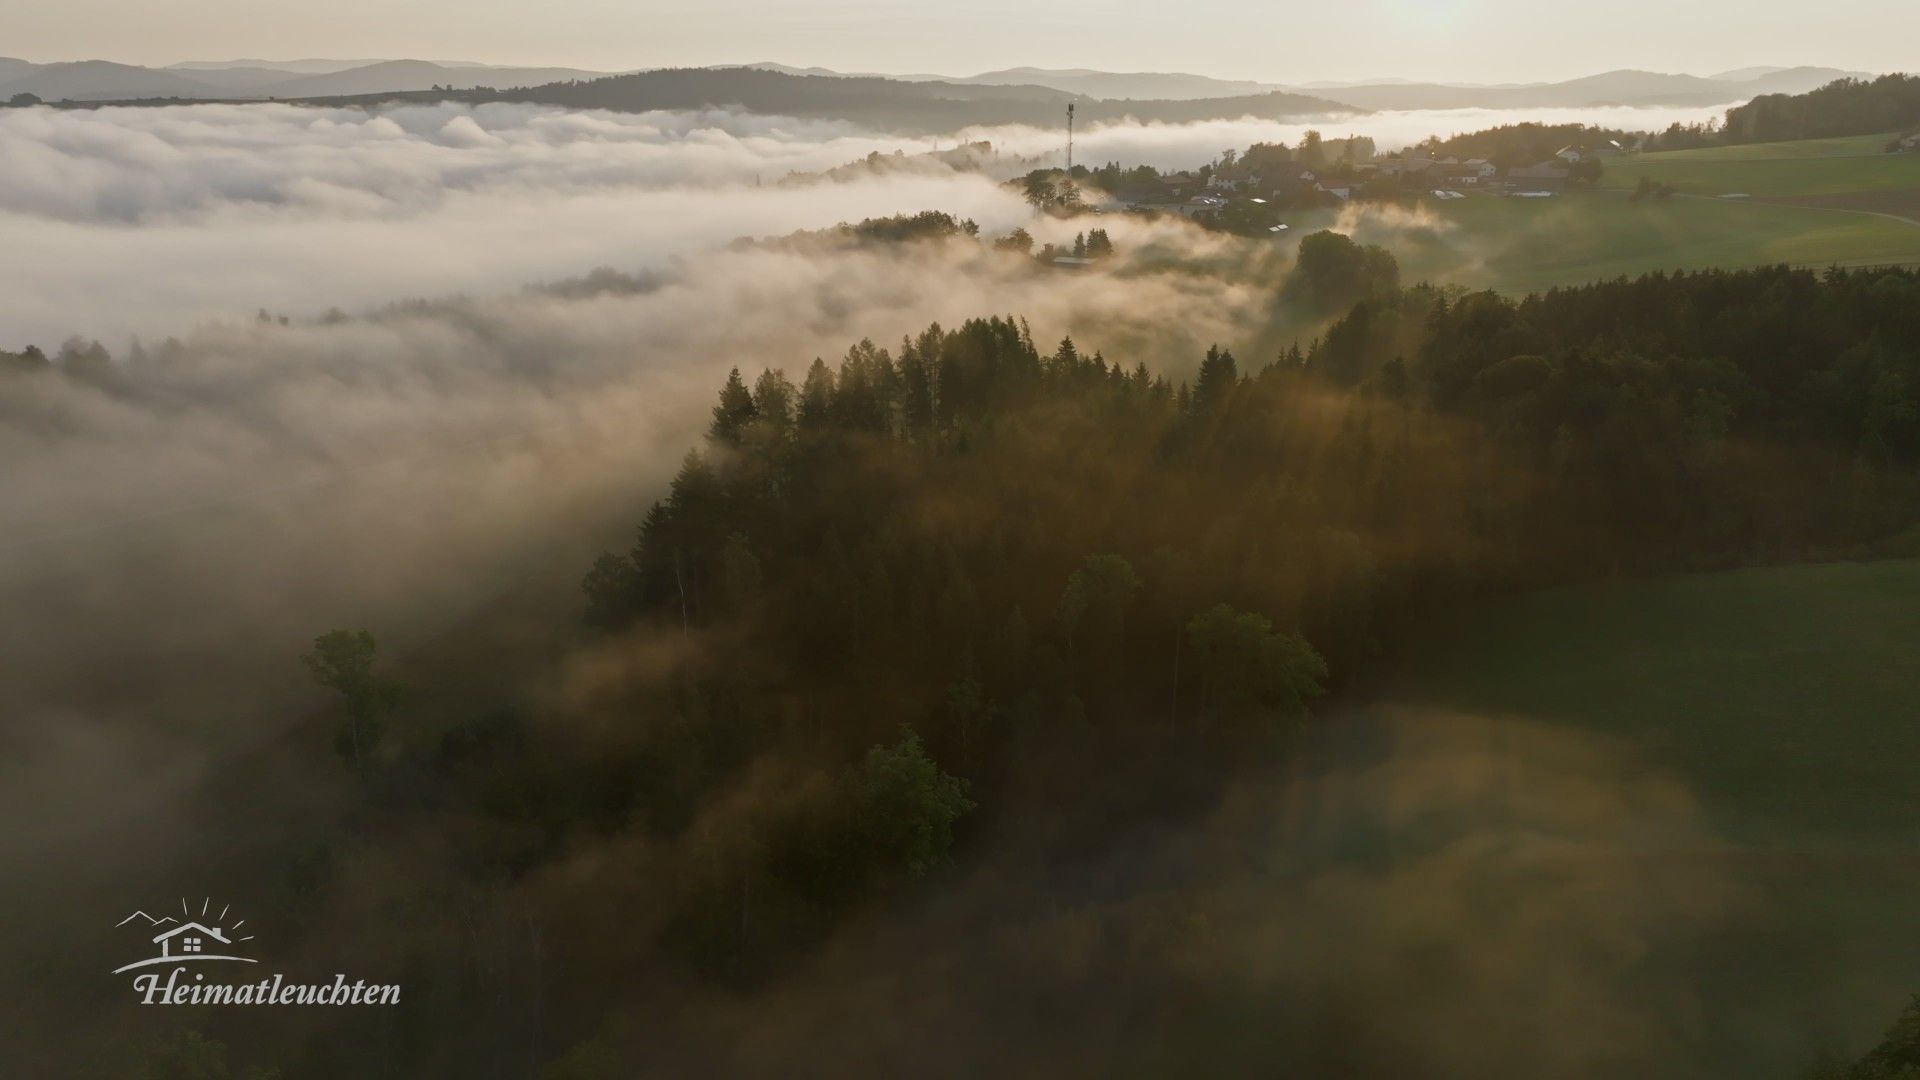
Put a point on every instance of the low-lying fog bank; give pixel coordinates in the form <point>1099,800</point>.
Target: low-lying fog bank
<point>191,519</point>
<point>147,221</point>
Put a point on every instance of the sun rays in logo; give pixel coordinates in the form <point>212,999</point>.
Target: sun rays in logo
<point>192,935</point>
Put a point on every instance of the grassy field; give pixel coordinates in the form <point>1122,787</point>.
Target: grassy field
<point>1525,245</point>
<point>1788,697</point>
<point>1783,704</point>
<point>1826,202</point>
<point>1844,146</point>
<point>1815,167</point>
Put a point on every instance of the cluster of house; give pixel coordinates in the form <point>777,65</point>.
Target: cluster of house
<point>1187,194</point>
<point>1482,174</point>
<point>1450,177</point>
<point>1447,177</point>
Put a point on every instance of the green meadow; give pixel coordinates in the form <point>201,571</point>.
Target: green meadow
<point>1815,167</point>
<point>1759,729</point>
<point>1825,202</point>
<point>1787,697</point>
<point>1526,245</point>
<point>1843,146</point>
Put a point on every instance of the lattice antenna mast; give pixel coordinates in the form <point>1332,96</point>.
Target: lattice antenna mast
<point>1069,140</point>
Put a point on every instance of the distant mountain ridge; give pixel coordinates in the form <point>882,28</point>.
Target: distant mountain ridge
<point>102,80</point>
<point>1108,85</point>
<point>1623,87</point>
<point>917,107</point>
<point>392,75</point>
<point>308,66</point>
<point>900,106</point>
<point>1642,88</point>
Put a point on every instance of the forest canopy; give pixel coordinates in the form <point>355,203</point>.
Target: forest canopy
<point>1843,107</point>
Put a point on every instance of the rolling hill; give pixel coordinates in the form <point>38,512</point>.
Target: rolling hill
<point>1817,203</point>
<point>99,80</point>
<point>915,108</point>
<point>1608,88</point>
<point>403,75</point>
<point>103,80</point>
<point>1856,165</point>
<point>1166,86</point>
<point>309,66</point>
<point>237,78</point>
<point>1623,87</point>
<point>13,68</point>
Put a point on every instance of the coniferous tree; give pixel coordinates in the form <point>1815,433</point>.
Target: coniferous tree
<point>734,413</point>
<point>816,397</point>
<point>1218,376</point>
<point>916,379</point>
<point>773,399</point>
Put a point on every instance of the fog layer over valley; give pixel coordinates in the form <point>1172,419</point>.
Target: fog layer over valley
<point>146,221</point>
<point>249,479</point>
<point>1183,146</point>
<point>189,514</point>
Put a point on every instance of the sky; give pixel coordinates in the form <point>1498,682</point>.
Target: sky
<point>1289,42</point>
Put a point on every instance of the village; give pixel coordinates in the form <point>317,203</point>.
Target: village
<point>1247,192</point>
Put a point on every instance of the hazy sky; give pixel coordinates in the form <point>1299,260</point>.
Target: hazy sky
<point>1477,40</point>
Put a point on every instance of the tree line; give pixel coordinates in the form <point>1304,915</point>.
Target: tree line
<point>1842,107</point>
<point>1043,561</point>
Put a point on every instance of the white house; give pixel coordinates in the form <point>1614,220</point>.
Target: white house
<point>1572,155</point>
<point>1230,178</point>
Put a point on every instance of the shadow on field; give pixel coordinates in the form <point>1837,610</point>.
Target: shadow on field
<point>1425,893</point>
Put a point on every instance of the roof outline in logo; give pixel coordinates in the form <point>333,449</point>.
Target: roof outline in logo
<point>164,937</point>
<point>211,931</point>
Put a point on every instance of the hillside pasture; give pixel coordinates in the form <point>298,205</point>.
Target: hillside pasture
<point>1782,707</point>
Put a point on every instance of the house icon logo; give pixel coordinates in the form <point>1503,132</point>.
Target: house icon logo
<point>191,936</point>
<point>192,965</point>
